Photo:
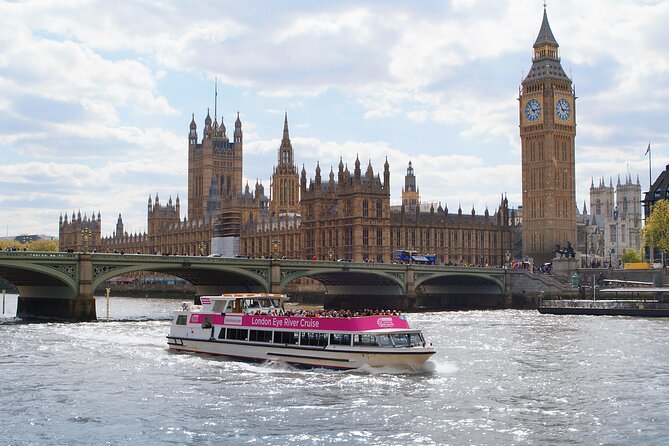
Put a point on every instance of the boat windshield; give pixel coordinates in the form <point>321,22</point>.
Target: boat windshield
<point>408,339</point>
<point>260,304</point>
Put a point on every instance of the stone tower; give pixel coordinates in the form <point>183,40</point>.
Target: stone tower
<point>410,193</point>
<point>601,200</point>
<point>214,165</point>
<point>547,132</point>
<point>285,185</point>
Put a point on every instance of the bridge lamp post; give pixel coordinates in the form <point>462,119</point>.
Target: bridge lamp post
<point>330,254</point>
<point>507,258</point>
<point>275,246</point>
<point>201,248</point>
<point>85,235</point>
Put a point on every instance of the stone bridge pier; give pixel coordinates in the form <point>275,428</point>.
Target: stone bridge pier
<point>46,299</point>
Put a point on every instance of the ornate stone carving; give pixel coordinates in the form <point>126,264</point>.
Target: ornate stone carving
<point>98,270</point>
<point>69,270</point>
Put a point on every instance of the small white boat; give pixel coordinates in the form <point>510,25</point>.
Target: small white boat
<point>256,327</point>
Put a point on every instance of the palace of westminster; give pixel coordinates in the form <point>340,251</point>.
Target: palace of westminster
<point>347,214</point>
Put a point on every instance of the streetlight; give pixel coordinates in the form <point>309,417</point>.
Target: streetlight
<point>201,248</point>
<point>330,254</point>
<point>85,235</point>
<point>507,257</point>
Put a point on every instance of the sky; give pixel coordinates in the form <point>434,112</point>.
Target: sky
<point>96,97</point>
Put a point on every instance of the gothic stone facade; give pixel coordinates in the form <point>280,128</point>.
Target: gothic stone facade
<point>346,217</point>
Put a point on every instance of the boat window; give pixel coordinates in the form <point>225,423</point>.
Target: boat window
<point>384,340</point>
<point>182,320</point>
<point>237,334</point>
<point>286,337</point>
<point>408,339</point>
<point>416,339</point>
<point>260,336</point>
<point>218,306</point>
<point>365,339</point>
<point>401,340</point>
<point>276,303</point>
<point>316,339</point>
<point>221,335</point>
<point>340,339</point>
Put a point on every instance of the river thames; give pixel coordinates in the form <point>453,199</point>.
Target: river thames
<point>498,378</point>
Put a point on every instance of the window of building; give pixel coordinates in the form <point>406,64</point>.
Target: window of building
<point>365,208</point>
<point>365,236</point>
<point>379,209</point>
<point>348,236</point>
<point>379,236</point>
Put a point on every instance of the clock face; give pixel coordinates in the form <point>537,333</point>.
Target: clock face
<point>533,110</point>
<point>562,109</point>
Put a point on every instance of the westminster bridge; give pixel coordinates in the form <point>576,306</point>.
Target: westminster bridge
<point>60,286</point>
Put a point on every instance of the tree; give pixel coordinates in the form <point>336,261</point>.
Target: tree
<point>10,244</point>
<point>656,232</point>
<point>43,245</point>
<point>631,256</point>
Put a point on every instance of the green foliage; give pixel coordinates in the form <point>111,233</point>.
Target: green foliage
<point>631,256</point>
<point>43,245</point>
<point>13,244</point>
<point>37,245</point>
<point>656,232</point>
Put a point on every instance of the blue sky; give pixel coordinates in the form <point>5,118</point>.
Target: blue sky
<point>96,97</point>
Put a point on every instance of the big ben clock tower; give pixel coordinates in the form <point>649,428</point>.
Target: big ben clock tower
<point>547,132</point>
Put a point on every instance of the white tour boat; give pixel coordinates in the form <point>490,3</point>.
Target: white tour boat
<point>256,327</point>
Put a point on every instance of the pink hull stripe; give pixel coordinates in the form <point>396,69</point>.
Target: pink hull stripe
<point>307,323</point>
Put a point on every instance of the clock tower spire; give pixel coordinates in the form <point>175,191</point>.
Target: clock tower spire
<point>547,133</point>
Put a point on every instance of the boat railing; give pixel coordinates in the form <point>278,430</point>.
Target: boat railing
<point>614,304</point>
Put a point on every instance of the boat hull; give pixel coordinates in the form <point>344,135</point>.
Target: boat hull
<point>328,357</point>
<point>651,312</point>
<point>643,308</point>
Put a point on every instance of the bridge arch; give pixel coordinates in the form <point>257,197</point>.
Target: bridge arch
<point>460,289</point>
<point>339,279</point>
<point>206,278</point>
<point>446,278</point>
<point>50,280</point>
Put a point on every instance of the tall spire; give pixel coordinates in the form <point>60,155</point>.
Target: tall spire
<point>285,126</point>
<point>546,58</point>
<point>216,97</point>
<point>286,148</point>
<point>545,34</point>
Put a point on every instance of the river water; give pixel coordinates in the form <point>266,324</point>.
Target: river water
<point>499,378</point>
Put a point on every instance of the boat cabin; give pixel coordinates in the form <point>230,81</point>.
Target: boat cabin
<point>241,303</point>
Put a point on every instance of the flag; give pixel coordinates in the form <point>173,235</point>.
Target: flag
<point>647,150</point>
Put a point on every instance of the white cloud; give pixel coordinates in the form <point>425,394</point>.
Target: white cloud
<point>93,91</point>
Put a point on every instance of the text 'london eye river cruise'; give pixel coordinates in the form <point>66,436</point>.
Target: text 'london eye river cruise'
<point>256,327</point>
